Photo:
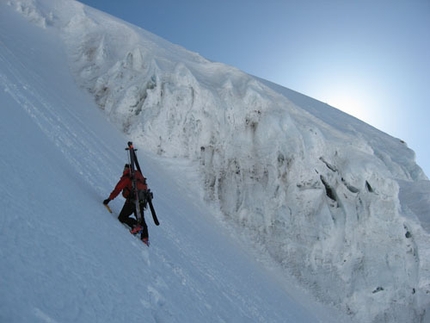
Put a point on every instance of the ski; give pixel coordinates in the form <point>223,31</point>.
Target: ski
<point>134,182</point>
<point>151,207</point>
<point>134,164</point>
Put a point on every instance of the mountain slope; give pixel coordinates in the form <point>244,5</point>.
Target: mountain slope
<point>64,258</point>
<point>314,189</point>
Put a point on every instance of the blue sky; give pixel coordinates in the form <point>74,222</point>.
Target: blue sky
<point>369,58</point>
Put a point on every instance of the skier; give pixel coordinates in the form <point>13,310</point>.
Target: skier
<point>129,208</point>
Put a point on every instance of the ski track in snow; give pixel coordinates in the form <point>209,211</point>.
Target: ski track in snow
<point>330,213</point>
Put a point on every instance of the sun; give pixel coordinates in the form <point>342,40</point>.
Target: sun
<point>349,104</point>
<point>351,98</point>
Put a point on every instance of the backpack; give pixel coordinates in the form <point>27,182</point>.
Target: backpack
<point>140,181</point>
<point>142,188</point>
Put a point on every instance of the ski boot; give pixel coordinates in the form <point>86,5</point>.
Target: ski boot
<point>145,241</point>
<point>136,229</point>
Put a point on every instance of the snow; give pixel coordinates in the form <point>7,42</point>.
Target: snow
<point>274,207</point>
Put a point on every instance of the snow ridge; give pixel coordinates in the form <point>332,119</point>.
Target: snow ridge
<point>318,191</point>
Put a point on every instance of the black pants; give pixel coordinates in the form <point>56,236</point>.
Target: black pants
<point>128,209</point>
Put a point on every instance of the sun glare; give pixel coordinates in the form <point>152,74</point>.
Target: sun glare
<point>366,107</point>
<point>349,98</point>
<point>348,104</point>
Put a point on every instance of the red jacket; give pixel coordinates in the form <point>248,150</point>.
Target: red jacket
<point>125,184</point>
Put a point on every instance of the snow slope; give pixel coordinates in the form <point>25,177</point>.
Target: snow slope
<point>64,258</point>
<point>328,203</point>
